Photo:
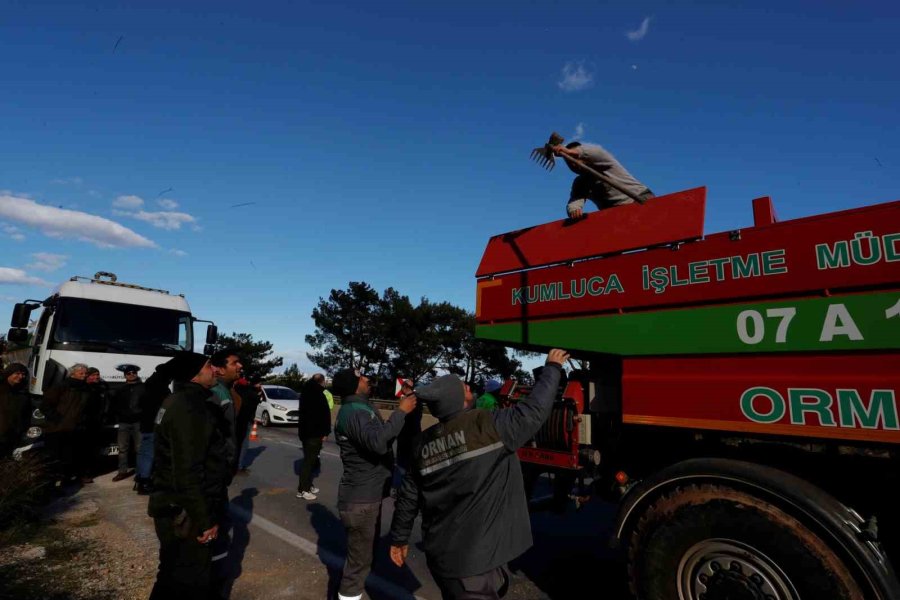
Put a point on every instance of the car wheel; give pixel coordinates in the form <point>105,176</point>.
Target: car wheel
<point>710,542</point>
<point>265,419</point>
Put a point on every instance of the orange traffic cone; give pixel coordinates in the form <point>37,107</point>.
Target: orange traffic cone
<point>254,434</point>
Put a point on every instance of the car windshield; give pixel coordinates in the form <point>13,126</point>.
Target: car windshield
<point>98,326</point>
<point>281,394</point>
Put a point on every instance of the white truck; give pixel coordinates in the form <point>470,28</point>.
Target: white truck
<point>102,323</point>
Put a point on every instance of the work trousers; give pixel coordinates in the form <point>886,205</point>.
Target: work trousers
<point>487,586</point>
<point>242,453</point>
<point>128,433</point>
<point>311,449</point>
<point>363,525</point>
<point>587,187</point>
<point>145,456</point>
<point>184,565</point>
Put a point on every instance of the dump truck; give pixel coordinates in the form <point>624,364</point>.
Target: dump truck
<point>101,322</point>
<point>735,393</point>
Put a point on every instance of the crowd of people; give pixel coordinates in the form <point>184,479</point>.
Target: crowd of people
<point>188,424</point>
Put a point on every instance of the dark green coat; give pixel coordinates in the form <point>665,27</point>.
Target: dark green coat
<point>190,458</point>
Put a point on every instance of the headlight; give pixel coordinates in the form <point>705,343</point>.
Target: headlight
<point>278,406</point>
<point>33,432</point>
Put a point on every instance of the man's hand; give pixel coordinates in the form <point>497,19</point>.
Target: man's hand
<point>209,535</point>
<point>576,213</point>
<point>557,357</point>
<point>407,403</point>
<point>398,554</point>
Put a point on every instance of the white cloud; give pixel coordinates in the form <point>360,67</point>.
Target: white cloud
<point>13,232</point>
<point>63,223</point>
<point>579,132</point>
<point>163,219</point>
<point>128,202</point>
<point>167,204</point>
<point>574,78</point>
<point>178,252</point>
<point>639,33</point>
<point>19,277</point>
<point>45,261</point>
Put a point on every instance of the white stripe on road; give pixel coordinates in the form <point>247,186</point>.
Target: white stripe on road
<point>330,559</point>
<point>298,446</point>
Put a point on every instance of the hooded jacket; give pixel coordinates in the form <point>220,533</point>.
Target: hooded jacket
<point>365,441</point>
<point>15,410</point>
<point>315,416</point>
<point>466,479</point>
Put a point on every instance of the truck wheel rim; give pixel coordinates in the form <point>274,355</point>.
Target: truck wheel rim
<point>716,569</point>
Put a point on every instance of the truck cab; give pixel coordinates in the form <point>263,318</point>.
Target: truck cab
<point>101,322</point>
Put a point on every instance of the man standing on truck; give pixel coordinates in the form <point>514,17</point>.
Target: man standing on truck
<point>126,407</point>
<point>586,186</point>
<point>467,477</point>
<point>365,441</point>
<point>190,480</point>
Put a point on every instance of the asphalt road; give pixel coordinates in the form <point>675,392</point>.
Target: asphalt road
<point>287,547</point>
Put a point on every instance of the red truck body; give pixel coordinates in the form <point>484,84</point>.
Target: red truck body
<point>779,335</point>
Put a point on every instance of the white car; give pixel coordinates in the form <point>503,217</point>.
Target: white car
<point>280,406</point>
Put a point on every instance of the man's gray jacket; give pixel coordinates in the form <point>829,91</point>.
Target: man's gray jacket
<point>466,479</point>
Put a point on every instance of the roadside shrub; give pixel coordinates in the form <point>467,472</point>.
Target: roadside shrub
<point>23,487</point>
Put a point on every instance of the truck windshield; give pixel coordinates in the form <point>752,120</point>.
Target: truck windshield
<point>97,326</point>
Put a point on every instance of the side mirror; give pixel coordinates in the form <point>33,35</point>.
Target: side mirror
<point>21,314</point>
<point>212,334</point>
<point>209,349</point>
<point>17,335</point>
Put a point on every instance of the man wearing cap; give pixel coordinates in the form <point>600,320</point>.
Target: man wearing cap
<point>126,407</point>
<point>488,400</point>
<point>586,186</point>
<point>365,441</point>
<point>466,479</point>
<point>190,479</point>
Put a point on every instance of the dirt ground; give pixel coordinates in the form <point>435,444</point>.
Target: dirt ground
<point>83,549</point>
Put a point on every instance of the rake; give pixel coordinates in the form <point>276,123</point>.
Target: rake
<point>543,155</point>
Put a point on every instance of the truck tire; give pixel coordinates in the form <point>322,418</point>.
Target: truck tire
<point>713,542</point>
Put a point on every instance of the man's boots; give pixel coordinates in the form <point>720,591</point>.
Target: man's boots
<point>142,486</point>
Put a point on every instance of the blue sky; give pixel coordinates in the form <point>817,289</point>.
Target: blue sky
<point>388,142</point>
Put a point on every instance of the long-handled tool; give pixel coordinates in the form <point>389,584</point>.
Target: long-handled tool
<point>544,156</point>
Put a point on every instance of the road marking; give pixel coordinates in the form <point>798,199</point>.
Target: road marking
<point>330,559</point>
<point>298,446</point>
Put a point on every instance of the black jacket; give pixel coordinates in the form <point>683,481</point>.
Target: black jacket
<point>15,415</point>
<point>190,459</point>
<point>467,480</point>
<point>126,402</point>
<point>315,416</point>
<point>156,389</point>
<point>365,441</point>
